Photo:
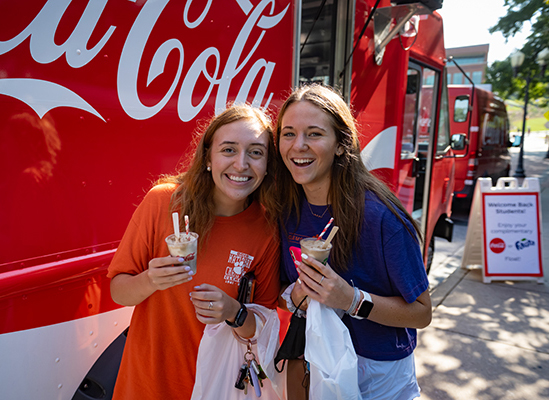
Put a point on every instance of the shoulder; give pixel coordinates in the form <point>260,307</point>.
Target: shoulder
<point>160,193</point>
<point>164,189</point>
<point>157,200</point>
<point>376,213</point>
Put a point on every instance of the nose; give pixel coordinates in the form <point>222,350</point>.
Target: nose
<point>241,161</point>
<point>300,142</point>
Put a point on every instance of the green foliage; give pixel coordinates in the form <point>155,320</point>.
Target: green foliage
<point>500,74</point>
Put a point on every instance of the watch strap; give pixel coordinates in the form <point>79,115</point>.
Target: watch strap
<point>240,317</point>
<point>364,307</point>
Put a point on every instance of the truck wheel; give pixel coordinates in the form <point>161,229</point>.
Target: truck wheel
<point>100,380</point>
<point>430,255</point>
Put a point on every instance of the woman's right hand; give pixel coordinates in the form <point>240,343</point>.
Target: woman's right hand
<point>164,273</point>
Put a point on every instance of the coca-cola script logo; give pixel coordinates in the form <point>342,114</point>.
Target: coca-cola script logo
<point>44,95</point>
<point>497,245</point>
<point>188,257</point>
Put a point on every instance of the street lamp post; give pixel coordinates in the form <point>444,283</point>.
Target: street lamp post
<point>543,59</point>
<point>517,58</point>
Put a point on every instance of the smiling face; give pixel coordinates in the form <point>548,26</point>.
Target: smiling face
<point>238,162</point>
<point>308,146</point>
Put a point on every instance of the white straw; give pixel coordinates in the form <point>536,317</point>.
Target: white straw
<point>175,218</point>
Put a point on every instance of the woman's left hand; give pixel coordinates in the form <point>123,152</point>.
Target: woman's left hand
<point>324,285</point>
<point>213,305</point>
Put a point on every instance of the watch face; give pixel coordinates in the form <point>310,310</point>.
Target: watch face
<point>365,309</point>
<point>241,316</point>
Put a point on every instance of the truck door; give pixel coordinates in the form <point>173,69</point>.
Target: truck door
<point>415,159</point>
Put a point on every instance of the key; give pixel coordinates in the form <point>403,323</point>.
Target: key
<point>242,375</point>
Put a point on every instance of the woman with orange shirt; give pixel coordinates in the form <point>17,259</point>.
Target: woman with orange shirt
<point>227,192</point>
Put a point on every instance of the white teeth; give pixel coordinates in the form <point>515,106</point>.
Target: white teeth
<point>303,160</point>
<point>239,178</point>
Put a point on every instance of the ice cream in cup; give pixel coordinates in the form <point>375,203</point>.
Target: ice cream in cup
<point>314,248</point>
<point>185,246</point>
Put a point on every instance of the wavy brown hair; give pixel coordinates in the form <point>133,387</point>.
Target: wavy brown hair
<point>194,195</point>
<point>350,180</point>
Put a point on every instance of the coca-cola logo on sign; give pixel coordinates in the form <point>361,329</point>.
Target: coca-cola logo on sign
<point>497,245</point>
<point>218,70</point>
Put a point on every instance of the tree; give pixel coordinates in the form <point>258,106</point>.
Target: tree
<point>500,75</point>
<point>518,12</point>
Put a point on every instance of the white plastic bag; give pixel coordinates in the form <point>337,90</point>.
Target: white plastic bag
<point>331,354</point>
<point>220,356</point>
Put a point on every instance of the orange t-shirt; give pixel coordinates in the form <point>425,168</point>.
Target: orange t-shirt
<point>159,360</point>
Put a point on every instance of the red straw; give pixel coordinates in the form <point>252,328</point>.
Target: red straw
<point>187,225</point>
<point>325,228</point>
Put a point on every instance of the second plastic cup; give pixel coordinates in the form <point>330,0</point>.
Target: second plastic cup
<point>314,248</point>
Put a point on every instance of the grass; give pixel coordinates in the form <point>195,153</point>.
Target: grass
<point>535,124</point>
<point>536,121</point>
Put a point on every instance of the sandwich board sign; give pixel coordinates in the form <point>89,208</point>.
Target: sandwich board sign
<point>504,232</point>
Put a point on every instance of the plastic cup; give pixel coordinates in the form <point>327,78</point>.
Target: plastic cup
<point>185,247</point>
<point>314,248</point>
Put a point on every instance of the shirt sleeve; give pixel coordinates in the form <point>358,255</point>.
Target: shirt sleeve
<point>405,263</point>
<point>137,246</point>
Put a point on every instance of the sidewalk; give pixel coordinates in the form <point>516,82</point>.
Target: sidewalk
<point>490,341</point>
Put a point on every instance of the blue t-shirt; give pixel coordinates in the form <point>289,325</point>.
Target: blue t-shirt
<point>387,262</point>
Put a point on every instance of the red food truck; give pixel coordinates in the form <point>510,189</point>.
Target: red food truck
<point>479,121</point>
<point>99,98</point>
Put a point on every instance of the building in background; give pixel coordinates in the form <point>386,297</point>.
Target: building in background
<point>472,59</point>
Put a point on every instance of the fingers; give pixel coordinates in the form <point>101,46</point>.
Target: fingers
<point>212,305</point>
<point>310,268</point>
<point>164,272</point>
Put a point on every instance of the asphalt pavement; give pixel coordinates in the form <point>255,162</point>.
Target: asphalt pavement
<point>488,340</point>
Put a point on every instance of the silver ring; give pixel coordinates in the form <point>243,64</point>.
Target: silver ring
<point>211,305</point>
<point>321,279</point>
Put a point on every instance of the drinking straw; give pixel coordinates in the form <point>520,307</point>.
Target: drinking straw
<point>325,228</point>
<point>175,218</point>
<point>187,226</point>
<point>330,236</point>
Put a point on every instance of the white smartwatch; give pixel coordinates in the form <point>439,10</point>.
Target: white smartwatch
<point>364,306</point>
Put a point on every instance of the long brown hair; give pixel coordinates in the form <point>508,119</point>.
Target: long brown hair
<point>350,180</point>
<point>194,195</point>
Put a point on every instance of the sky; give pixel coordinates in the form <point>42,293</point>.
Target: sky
<point>466,23</point>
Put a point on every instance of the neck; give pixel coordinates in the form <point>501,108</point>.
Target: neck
<point>316,196</point>
<point>228,210</point>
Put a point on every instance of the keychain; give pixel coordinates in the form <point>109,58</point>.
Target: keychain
<point>250,372</point>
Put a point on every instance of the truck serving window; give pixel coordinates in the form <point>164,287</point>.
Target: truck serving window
<point>318,24</point>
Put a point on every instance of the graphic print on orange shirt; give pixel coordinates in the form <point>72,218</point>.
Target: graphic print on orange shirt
<point>239,264</point>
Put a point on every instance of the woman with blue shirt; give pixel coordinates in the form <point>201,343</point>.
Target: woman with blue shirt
<point>375,272</point>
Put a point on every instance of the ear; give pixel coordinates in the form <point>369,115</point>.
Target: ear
<point>339,150</point>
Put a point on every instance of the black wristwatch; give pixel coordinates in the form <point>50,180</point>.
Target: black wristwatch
<point>240,317</point>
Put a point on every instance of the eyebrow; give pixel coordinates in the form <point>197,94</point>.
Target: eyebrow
<point>309,127</point>
<point>236,143</point>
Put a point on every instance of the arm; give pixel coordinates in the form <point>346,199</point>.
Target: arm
<point>335,292</point>
<point>130,290</point>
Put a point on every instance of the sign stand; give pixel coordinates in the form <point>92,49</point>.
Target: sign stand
<point>504,231</point>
